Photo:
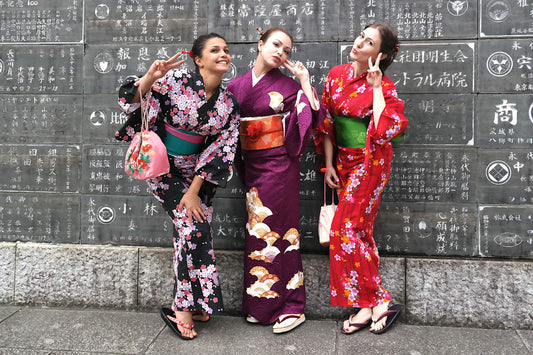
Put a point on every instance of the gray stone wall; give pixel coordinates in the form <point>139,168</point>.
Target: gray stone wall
<point>470,293</point>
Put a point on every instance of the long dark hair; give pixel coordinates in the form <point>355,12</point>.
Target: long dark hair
<point>199,44</point>
<point>389,44</point>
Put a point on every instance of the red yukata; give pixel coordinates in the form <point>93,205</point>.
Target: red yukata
<point>363,172</point>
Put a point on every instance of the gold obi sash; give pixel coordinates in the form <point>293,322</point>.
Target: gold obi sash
<point>261,132</point>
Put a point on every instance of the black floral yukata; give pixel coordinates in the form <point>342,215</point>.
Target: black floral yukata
<point>179,99</point>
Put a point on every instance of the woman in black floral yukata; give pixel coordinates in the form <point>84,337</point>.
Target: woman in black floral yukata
<point>198,121</point>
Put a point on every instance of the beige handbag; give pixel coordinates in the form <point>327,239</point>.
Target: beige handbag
<point>326,217</point>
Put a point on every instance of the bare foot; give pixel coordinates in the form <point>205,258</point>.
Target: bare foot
<point>200,316</point>
<point>186,329</point>
<point>376,312</point>
<point>362,317</point>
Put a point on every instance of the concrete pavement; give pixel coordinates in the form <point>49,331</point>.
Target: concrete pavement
<point>39,331</point>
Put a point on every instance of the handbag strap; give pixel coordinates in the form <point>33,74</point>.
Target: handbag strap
<point>144,111</point>
<point>332,194</point>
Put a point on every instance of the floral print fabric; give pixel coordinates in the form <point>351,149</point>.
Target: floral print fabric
<point>179,99</point>
<point>363,172</point>
<point>273,271</point>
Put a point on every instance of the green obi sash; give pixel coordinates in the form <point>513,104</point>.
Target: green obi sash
<point>350,132</point>
<point>181,142</point>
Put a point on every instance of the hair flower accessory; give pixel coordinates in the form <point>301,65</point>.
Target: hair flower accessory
<point>261,32</point>
<point>397,48</point>
<point>187,52</point>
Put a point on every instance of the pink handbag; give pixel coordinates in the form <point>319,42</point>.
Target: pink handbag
<point>146,157</point>
<point>326,217</point>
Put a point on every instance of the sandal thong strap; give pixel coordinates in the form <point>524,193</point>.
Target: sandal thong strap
<point>383,315</point>
<point>358,325</point>
<point>179,322</point>
<point>285,317</point>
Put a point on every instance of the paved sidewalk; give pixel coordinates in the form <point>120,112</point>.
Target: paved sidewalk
<point>39,331</point>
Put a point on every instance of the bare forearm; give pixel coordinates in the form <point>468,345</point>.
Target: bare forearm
<point>311,94</point>
<point>196,185</point>
<point>328,151</point>
<point>378,104</point>
<point>145,84</point>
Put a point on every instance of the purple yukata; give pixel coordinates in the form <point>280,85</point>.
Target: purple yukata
<point>179,100</point>
<point>273,273</point>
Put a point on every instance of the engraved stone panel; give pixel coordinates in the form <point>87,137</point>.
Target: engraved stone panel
<point>304,20</point>
<point>40,118</point>
<point>47,168</point>
<point>41,69</point>
<point>418,19</point>
<point>106,66</point>
<point>506,231</point>
<point>432,175</point>
<point>444,229</point>
<point>505,176</point>
<point>504,18</point>
<point>39,218</point>
<point>505,66</point>
<point>41,21</point>
<point>145,21</point>
<point>504,121</point>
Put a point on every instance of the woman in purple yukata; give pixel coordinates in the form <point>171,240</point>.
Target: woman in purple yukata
<point>277,116</point>
<point>198,121</point>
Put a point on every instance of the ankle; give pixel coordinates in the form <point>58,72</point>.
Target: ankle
<point>365,311</point>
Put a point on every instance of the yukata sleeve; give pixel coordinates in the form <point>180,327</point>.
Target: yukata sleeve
<point>132,110</point>
<point>238,164</point>
<point>318,115</point>
<point>301,121</point>
<point>326,127</point>
<point>234,86</point>
<point>299,124</point>
<point>392,122</point>
<point>215,162</point>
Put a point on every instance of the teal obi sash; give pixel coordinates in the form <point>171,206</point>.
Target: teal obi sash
<point>350,132</point>
<point>181,142</point>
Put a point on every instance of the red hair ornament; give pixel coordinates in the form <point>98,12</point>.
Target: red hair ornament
<point>189,53</point>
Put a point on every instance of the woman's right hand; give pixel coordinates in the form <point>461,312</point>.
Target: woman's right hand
<point>192,205</point>
<point>160,68</point>
<point>157,70</point>
<point>331,178</point>
<point>330,174</point>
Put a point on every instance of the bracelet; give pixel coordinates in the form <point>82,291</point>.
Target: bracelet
<point>326,169</point>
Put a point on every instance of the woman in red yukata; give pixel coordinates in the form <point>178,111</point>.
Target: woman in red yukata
<point>365,115</point>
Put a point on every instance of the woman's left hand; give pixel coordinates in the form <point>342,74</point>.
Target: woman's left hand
<point>302,74</point>
<point>192,205</point>
<point>374,75</point>
<point>298,70</point>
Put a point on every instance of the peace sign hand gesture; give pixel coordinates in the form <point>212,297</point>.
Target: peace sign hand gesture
<point>374,75</point>
<point>159,68</point>
<point>298,70</point>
